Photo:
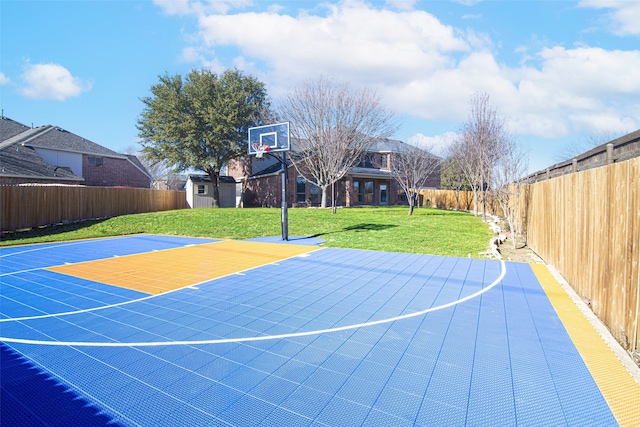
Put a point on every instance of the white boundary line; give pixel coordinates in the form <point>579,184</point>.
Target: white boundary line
<point>103,307</point>
<point>260,338</point>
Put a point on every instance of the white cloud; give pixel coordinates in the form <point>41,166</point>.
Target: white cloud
<point>467,2</point>
<point>571,84</point>
<point>436,144</point>
<point>4,79</point>
<point>194,7</point>
<point>51,81</point>
<point>426,69</point>
<point>401,4</point>
<point>624,15</point>
<point>352,42</point>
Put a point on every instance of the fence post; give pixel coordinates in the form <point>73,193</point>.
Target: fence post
<point>609,153</point>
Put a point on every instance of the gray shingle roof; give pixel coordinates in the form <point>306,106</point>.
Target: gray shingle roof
<point>206,178</point>
<point>17,160</point>
<point>56,138</point>
<point>10,128</point>
<point>51,137</point>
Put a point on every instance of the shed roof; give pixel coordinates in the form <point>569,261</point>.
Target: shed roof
<point>207,178</point>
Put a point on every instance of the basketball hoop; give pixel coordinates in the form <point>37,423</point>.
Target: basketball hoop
<point>260,149</point>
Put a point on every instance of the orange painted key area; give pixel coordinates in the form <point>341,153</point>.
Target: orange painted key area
<point>162,271</point>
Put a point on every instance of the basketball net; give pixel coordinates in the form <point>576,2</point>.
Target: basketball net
<point>260,149</point>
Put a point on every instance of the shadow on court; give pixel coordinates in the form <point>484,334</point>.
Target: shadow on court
<point>29,397</point>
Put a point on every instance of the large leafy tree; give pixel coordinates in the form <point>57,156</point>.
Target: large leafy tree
<point>201,121</point>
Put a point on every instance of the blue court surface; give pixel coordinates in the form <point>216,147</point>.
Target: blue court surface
<point>332,337</point>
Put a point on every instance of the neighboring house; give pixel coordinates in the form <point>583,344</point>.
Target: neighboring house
<point>368,184</point>
<point>172,181</point>
<point>51,155</point>
<point>200,190</point>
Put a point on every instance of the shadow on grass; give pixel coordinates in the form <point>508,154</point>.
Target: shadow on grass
<point>358,228</point>
<point>30,397</point>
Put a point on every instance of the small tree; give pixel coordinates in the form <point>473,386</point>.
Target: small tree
<point>332,125</point>
<point>464,159</point>
<point>411,169</point>
<point>201,121</point>
<point>480,146</point>
<point>508,185</point>
<point>452,177</point>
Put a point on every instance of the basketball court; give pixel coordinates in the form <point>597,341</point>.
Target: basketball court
<point>161,330</point>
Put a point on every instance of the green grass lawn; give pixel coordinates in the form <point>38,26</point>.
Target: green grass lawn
<point>429,231</point>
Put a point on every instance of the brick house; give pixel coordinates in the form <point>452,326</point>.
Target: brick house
<point>51,155</point>
<point>370,183</point>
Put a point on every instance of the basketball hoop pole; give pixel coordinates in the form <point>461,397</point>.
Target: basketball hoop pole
<point>285,213</point>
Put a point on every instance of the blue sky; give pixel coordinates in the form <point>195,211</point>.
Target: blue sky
<point>559,71</point>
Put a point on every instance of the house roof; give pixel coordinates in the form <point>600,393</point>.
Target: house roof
<point>273,169</point>
<point>382,146</point>
<point>19,161</point>
<point>138,164</point>
<point>19,158</point>
<point>385,145</point>
<point>10,128</point>
<point>55,138</point>
<point>50,137</point>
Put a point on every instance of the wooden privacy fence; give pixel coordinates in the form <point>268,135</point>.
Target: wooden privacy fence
<point>33,206</point>
<point>587,225</point>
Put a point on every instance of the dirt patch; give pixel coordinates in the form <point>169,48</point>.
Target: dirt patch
<point>522,254</point>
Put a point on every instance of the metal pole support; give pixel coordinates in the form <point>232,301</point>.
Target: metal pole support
<point>285,213</point>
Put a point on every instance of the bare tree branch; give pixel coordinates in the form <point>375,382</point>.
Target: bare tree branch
<point>479,146</point>
<point>332,125</point>
<point>508,186</point>
<point>577,147</point>
<point>411,169</point>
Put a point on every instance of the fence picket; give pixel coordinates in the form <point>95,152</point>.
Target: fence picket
<point>34,206</point>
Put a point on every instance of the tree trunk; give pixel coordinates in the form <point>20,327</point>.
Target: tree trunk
<point>215,193</point>
<point>475,202</point>
<point>483,193</point>
<point>333,198</point>
<point>323,202</point>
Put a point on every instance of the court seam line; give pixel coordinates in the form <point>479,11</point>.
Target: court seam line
<point>94,260</point>
<point>88,310</point>
<point>65,243</point>
<point>264,337</point>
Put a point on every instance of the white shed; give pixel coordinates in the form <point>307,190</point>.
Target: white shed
<point>200,189</point>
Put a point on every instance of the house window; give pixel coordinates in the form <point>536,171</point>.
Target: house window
<point>343,192</point>
<point>368,192</point>
<point>367,161</point>
<point>202,189</point>
<point>358,190</point>
<point>95,161</point>
<point>384,161</point>
<point>402,196</point>
<point>301,189</point>
<point>314,192</point>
